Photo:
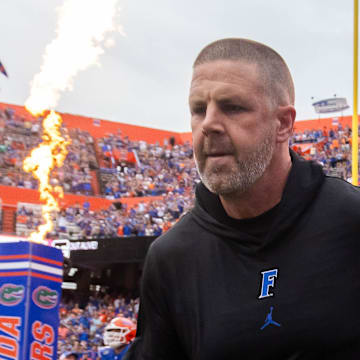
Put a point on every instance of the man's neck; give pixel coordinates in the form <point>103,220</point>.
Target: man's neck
<point>263,195</point>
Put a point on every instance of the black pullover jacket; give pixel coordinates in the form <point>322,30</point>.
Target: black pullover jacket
<point>284,285</point>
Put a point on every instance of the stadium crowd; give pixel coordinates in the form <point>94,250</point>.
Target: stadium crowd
<point>329,147</point>
<point>127,168</point>
<point>79,222</point>
<point>19,135</point>
<point>81,328</point>
<point>136,168</point>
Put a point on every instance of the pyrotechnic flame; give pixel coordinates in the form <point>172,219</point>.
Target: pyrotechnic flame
<point>51,152</point>
<point>81,34</point>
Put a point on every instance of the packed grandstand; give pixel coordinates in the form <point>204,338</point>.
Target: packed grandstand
<point>121,181</point>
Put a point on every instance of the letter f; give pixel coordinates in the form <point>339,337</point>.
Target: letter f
<point>268,279</point>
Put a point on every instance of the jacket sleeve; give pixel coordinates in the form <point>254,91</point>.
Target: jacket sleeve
<point>156,337</point>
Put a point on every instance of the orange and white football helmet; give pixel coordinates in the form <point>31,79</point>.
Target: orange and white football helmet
<point>120,331</point>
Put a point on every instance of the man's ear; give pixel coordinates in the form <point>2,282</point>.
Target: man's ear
<point>286,117</point>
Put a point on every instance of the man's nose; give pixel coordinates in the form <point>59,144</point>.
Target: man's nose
<point>213,121</point>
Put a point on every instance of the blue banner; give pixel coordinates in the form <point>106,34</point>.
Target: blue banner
<point>30,291</point>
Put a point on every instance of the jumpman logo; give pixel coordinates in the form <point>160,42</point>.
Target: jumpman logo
<point>269,319</point>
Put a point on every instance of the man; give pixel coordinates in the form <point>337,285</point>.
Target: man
<point>267,264</point>
<point>118,335</point>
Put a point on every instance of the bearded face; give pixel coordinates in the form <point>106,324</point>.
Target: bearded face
<point>225,170</point>
<point>233,125</point>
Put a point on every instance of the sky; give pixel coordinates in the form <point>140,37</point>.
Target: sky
<point>144,78</point>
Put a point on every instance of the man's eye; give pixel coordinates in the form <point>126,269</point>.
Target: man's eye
<point>232,108</point>
<point>198,110</point>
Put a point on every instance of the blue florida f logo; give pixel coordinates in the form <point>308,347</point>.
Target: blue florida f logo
<point>268,280</point>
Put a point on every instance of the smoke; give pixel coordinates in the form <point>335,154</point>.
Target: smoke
<point>82,32</point>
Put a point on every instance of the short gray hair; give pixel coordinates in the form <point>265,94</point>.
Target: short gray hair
<point>273,70</point>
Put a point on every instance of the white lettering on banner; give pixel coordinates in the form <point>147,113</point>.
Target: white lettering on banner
<point>84,245</point>
<point>10,336</point>
<point>66,246</point>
